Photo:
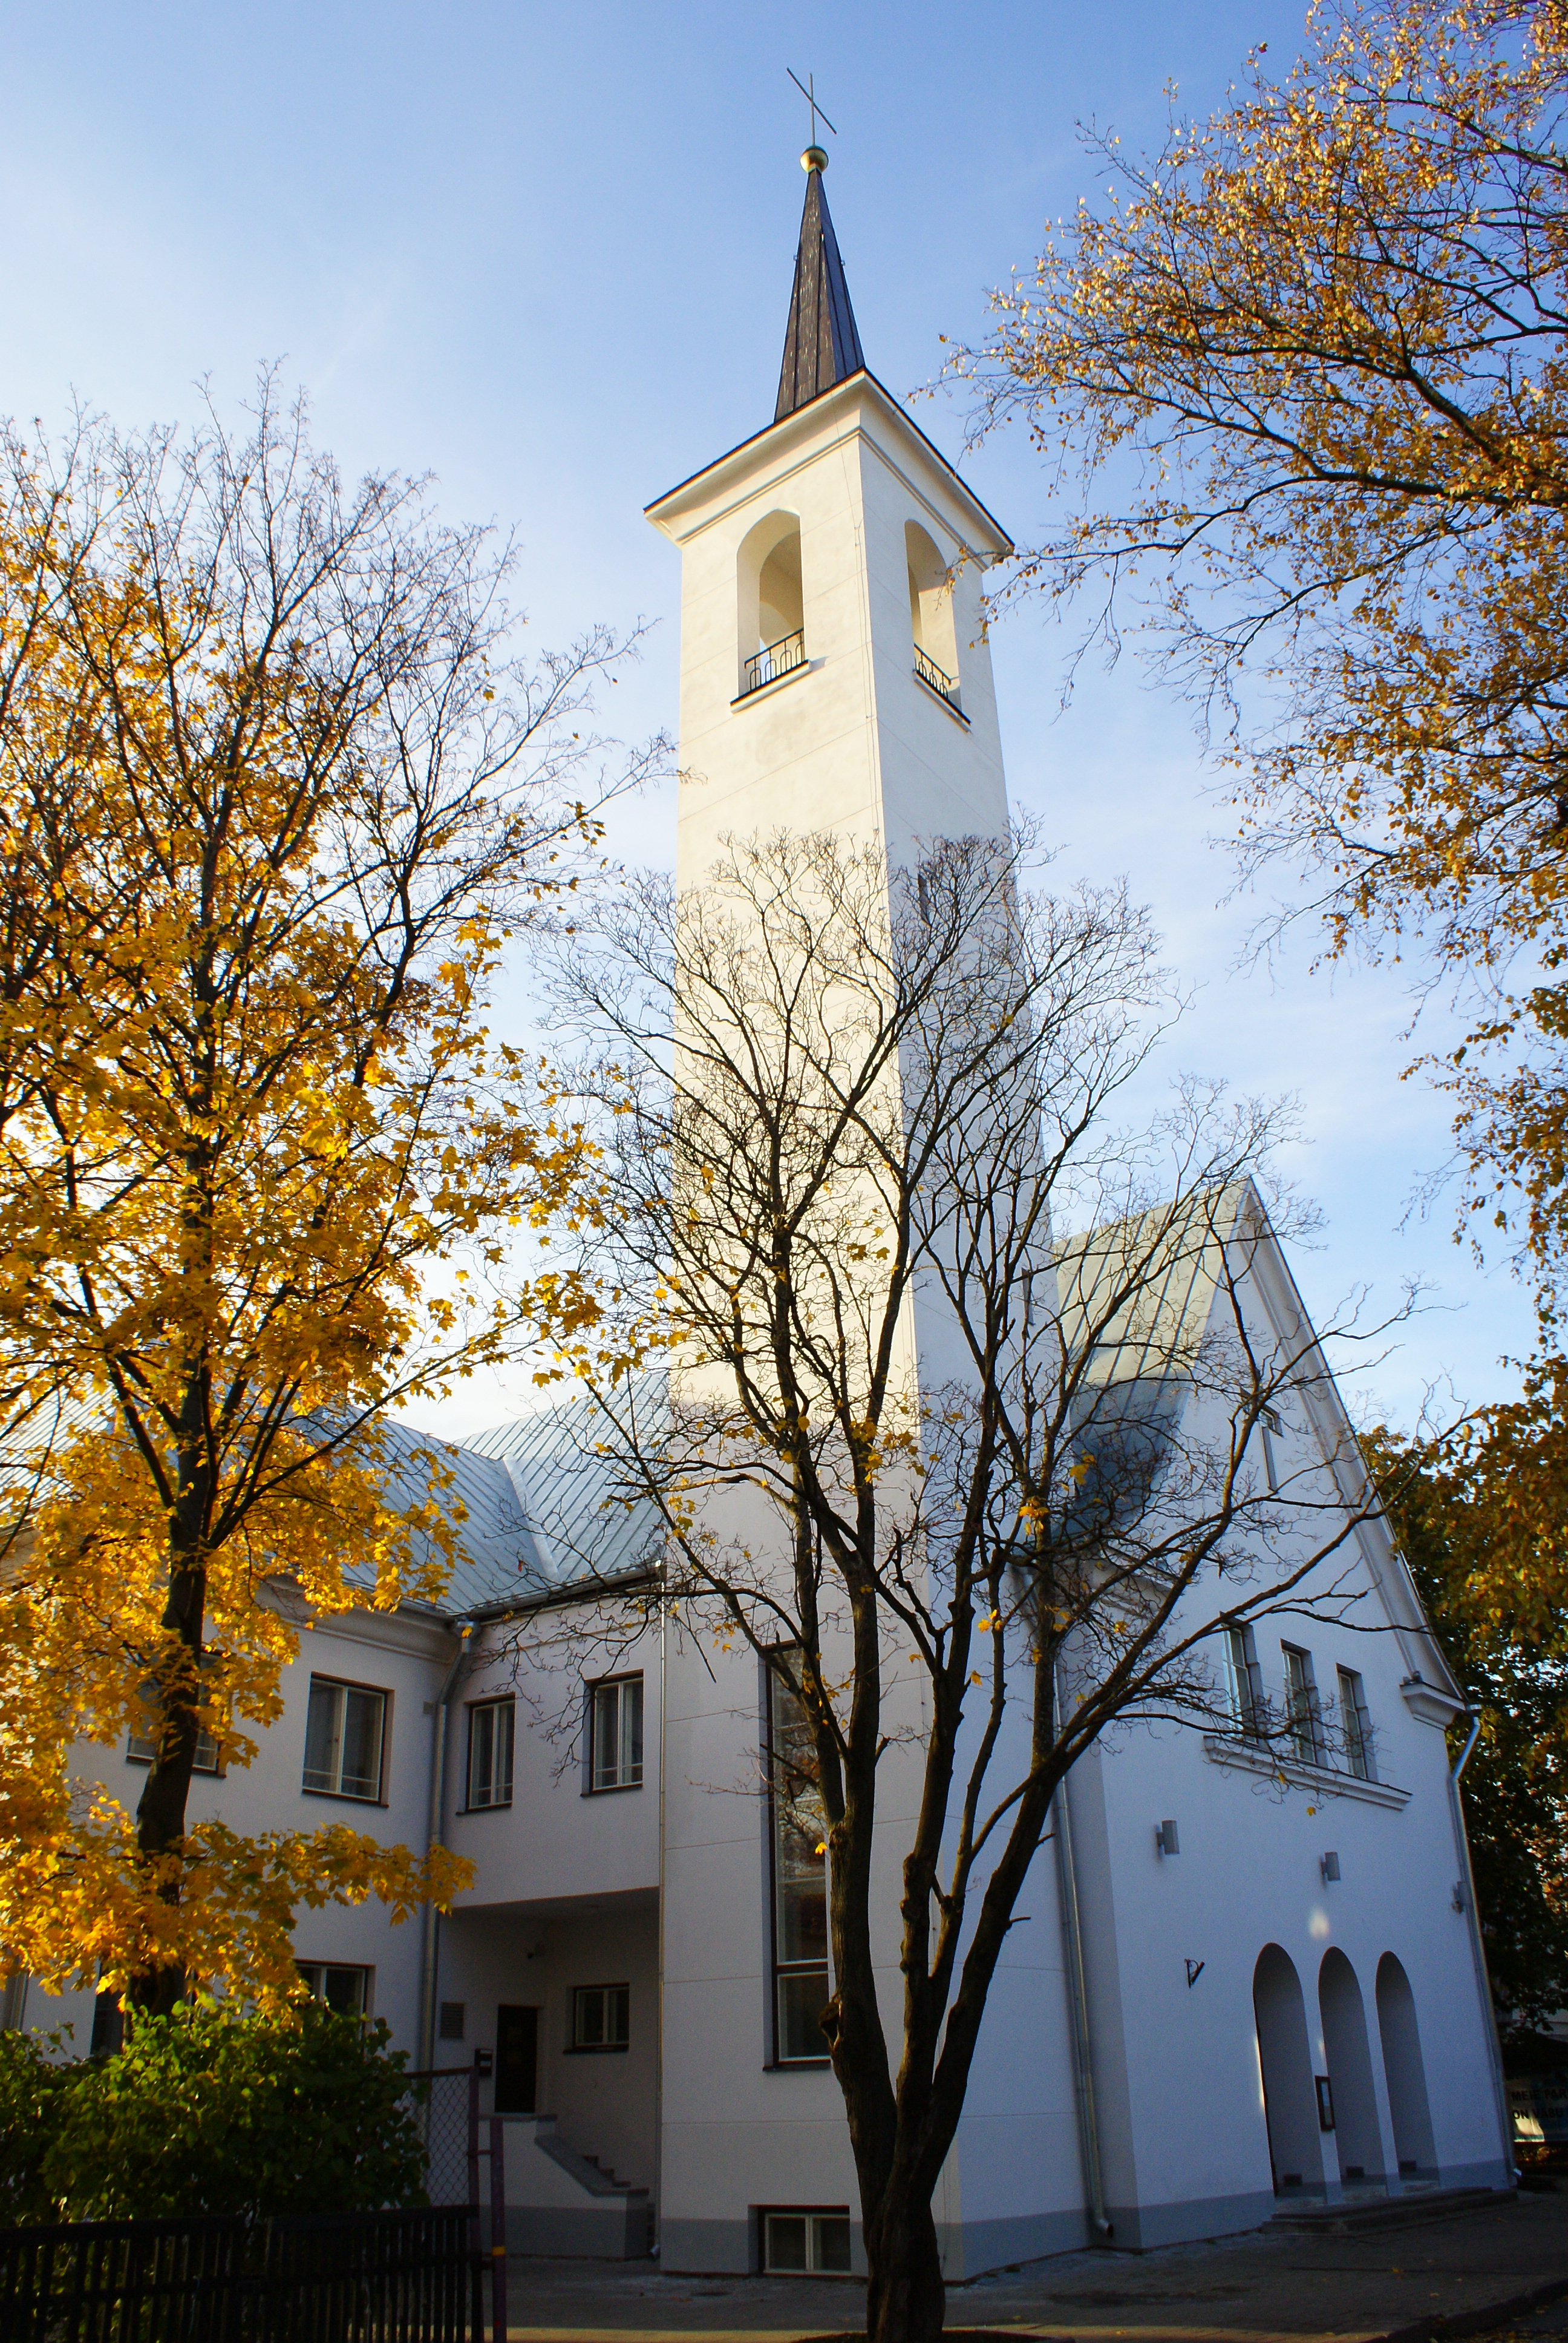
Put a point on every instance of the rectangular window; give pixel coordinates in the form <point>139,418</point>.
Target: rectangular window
<point>614,1734</point>
<point>800,2242</point>
<point>1269,1428</point>
<point>601,2017</point>
<point>1302,1724</point>
<point>490,1727</point>
<point>800,1834</point>
<point>339,1987</point>
<point>1355,1724</point>
<point>1242,1682</point>
<point>140,1750</point>
<point>344,1737</point>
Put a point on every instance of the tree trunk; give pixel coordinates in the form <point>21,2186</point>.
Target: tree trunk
<point>905,2296</point>
<point>159,1987</point>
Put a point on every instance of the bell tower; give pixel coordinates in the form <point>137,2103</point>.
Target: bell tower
<point>834,678</point>
<point>834,671</point>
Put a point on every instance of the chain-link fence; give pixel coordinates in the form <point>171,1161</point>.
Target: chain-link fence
<point>441,2097</point>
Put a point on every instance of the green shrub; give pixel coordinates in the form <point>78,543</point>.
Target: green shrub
<point>32,2087</point>
<point>205,2112</point>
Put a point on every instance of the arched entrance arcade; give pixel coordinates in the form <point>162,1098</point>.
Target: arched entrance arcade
<point>1290,2097</point>
<point>1404,2071</point>
<point>1358,2136</point>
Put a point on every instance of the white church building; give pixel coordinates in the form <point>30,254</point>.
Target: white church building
<point>1239,1978</point>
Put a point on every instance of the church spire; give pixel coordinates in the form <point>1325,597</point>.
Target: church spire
<point>821,346</point>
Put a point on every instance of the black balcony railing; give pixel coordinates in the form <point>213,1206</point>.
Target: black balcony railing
<point>782,658</point>
<point>929,672</point>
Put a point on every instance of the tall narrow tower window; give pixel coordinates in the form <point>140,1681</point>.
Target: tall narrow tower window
<point>772,611</point>
<point>931,614</point>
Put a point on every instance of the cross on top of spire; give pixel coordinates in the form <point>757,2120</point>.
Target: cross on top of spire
<point>821,343</point>
<point>808,89</point>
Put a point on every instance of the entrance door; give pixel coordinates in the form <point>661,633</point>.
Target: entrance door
<point>517,2060</point>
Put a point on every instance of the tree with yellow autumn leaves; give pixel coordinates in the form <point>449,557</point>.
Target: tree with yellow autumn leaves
<point>274,791</point>
<point>1311,358</point>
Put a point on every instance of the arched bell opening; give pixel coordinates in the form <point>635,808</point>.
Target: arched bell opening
<point>1404,2070</point>
<point>1285,2061</point>
<point>1358,2136</point>
<point>931,612</point>
<point>771,601</point>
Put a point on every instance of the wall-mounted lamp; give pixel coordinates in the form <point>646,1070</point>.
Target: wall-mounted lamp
<point>1165,1839</point>
<point>1329,1865</point>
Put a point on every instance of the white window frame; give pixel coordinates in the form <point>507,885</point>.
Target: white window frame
<point>1304,1715</point>
<point>818,2264</point>
<point>1355,1726</point>
<point>624,1694</point>
<point>614,2008</point>
<point>1244,1683</point>
<point>495,1714</point>
<point>807,1819</point>
<point>141,1749</point>
<point>333,1787</point>
<point>313,1974</point>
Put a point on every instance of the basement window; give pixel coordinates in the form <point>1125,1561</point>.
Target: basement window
<point>805,2241</point>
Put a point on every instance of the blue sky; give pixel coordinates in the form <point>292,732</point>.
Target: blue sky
<point>545,253</point>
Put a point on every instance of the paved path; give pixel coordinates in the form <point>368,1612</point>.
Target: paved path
<point>1263,2288</point>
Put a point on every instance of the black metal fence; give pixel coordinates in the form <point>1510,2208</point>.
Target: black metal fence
<point>316,2277</point>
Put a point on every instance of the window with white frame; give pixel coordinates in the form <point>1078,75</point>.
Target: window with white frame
<point>490,1730</point>
<point>1302,1724</point>
<point>1270,1429</point>
<point>799,1852</point>
<point>601,2017</point>
<point>797,2241</point>
<point>1355,1726</point>
<point>614,1734</point>
<point>1244,1682</point>
<point>141,1748</point>
<point>339,1983</point>
<point>345,1739</point>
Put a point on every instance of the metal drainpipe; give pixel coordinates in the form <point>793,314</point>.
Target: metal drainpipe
<point>1083,2058</point>
<point>1477,1948</point>
<point>432,1922</point>
<point>656,2248</point>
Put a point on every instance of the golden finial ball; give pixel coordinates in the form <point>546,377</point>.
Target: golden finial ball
<point>814,159</point>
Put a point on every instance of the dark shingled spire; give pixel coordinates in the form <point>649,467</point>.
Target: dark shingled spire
<point>821,346</point>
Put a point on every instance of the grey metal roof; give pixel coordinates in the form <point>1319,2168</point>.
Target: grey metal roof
<point>575,1516</point>
<point>821,344</point>
<point>1138,1297</point>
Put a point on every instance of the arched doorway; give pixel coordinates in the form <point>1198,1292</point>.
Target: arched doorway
<point>1403,2069</point>
<point>1290,2099</point>
<point>1357,2135</point>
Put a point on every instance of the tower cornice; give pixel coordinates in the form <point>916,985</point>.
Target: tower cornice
<point>859,404</point>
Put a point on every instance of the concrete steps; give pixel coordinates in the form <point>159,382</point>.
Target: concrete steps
<point>1402,2212</point>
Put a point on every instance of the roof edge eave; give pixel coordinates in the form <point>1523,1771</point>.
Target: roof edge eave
<point>1000,550</point>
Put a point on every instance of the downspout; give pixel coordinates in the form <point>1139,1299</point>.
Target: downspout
<point>1466,1885</point>
<point>432,1918</point>
<point>1078,2000</point>
<point>656,2248</point>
